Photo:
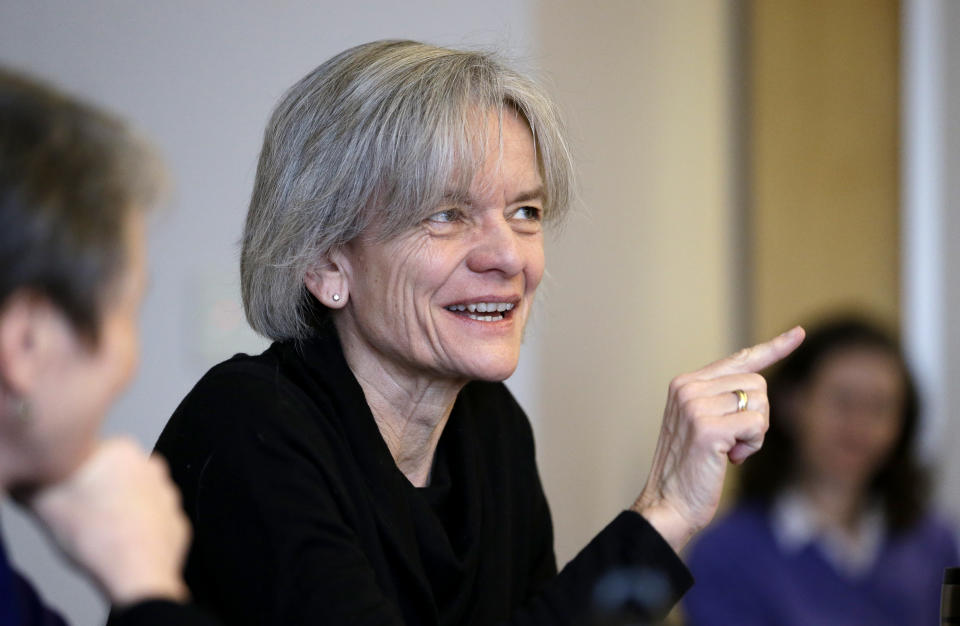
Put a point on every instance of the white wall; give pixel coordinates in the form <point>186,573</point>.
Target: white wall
<point>201,78</point>
<point>931,225</point>
<point>949,492</point>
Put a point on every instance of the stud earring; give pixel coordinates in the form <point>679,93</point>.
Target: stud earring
<point>336,297</point>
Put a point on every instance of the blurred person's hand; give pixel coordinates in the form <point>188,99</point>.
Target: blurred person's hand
<point>702,429</point>
<point>118,517</point>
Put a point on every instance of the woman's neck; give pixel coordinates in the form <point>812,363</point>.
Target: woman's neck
<point>838,505</point>
<point>411,409</point>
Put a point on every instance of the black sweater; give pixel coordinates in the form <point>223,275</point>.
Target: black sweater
<point>302,517</point>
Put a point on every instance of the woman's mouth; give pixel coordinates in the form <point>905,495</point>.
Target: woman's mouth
<point>483,311</point>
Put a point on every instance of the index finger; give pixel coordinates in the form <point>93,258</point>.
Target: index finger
<point>755,358</point>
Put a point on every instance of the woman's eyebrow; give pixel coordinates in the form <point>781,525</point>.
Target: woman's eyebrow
<point>459,198</point>
<point>526,196</point>
<point>462,199</point>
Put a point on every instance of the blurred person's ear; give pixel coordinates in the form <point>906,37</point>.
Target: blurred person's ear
<point>31,332</point>
<point>328,280</point>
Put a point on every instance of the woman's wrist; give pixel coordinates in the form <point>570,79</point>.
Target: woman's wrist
<point>134,591</point>
<point>667,521</point>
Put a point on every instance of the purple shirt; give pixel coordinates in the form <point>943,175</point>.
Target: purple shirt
<point>743,577</point>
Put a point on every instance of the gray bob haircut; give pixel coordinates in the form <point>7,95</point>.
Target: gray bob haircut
<point>370,143</point>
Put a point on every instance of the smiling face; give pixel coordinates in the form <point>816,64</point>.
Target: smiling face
<point>450,298</point>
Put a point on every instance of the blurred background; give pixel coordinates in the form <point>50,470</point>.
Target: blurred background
<point>744,166</point>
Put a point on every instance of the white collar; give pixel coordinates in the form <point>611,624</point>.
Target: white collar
<point>795,526</point>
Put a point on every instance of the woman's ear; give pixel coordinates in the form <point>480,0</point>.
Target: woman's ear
<point>328,280</point>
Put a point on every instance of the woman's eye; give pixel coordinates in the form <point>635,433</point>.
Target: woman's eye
<point>531,213</point>
<point>443,217</point>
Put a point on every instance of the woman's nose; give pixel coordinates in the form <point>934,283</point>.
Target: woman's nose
<point>497,248</point>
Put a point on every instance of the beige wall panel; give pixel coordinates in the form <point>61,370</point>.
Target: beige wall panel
<point>823,158</point>
<point>640,282</point>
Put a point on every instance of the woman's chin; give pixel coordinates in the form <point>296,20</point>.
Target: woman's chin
<point>848,476</point>
<point>492,370</point>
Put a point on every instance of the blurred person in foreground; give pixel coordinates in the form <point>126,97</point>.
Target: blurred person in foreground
<point>370,467</point>
<point>74,184</point>
<point>832,524</point>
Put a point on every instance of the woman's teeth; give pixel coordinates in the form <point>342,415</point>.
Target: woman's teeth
<point>497,308</point>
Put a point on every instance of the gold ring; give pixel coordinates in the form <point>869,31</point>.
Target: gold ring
<point>741,399</point>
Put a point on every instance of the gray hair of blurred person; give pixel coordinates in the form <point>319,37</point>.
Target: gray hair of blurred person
<point>370,143</point>
<point>70,178</point>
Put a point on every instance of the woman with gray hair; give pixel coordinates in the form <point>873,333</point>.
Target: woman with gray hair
<point>370,467</point>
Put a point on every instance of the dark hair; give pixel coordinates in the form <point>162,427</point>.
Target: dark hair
<point>70,175</point>
<point>901,483</point>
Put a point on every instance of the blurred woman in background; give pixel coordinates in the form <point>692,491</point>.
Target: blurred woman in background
<point>832,524</point>
<point>74,184</point>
